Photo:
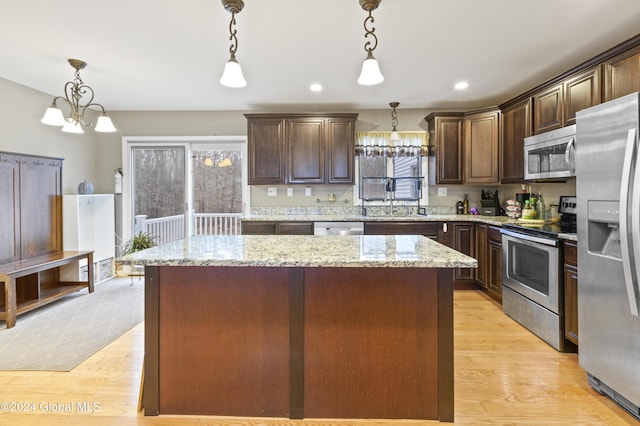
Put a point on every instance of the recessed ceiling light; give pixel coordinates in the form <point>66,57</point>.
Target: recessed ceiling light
<point>461,85</point>
<point>316,87</point>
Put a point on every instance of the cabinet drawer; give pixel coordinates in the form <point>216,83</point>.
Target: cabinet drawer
<point>295,228</point>
<point>494,234</point>
<point>429,230</point>
<point>258,228</point>
<point>570,252</point>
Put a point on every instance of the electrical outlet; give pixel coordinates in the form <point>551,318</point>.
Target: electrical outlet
<point>289,192</point>
<point>307,191</point>
<point>442,192</point>
<point>272,192</point>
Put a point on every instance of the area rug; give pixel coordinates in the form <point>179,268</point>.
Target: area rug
<point>59,336</point>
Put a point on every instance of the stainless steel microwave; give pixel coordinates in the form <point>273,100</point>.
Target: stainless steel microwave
<point>550,155</point>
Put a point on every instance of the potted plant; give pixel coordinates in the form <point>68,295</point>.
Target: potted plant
<point>140,241</point>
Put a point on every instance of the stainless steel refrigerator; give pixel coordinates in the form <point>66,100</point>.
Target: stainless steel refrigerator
<point>608,195</point>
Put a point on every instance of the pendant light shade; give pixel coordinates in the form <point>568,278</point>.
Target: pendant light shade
<point>104,124</point>
<point>72,127</point>
<point>232,75</point>
<point>53,116</point>
<point>370,74</point>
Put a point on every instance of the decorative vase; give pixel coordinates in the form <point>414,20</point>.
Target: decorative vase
<point>85,188</point>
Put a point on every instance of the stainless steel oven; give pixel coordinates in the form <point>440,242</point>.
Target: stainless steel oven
<point>532,288</point>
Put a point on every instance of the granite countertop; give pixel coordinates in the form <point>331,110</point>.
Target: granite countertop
<point>389,251</point>
<point>491,220</point>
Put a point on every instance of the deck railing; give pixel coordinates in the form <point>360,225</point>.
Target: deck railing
<point>171,228</point>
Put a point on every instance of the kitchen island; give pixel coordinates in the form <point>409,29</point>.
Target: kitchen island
<point>299,327</point>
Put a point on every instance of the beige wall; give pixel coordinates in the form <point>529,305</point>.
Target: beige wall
<point>94,156</point>
<point>22,132</point>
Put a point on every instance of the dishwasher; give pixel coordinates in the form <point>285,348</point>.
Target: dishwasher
<point>338,228</point>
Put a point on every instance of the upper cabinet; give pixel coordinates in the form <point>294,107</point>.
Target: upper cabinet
<point>556,106</point>
<point>446,134</point>
<point>622,74</point>
<point>466,146</point>
<point>301,148</point>
<point>516,125</point>
<point>481,145</point>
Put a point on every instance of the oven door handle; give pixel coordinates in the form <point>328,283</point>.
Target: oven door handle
<point>545,241</point>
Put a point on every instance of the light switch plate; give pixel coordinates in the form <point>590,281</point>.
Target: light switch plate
<point>442,192</point>
<point>272,192</point>
<point>289,192</point>
<point>307,191</point>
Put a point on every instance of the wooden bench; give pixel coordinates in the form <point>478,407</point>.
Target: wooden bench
<point>25,289</point>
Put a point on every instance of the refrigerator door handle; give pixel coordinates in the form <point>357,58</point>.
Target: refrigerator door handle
<point>629,241</point>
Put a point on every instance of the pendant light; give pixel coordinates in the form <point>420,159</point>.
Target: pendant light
<point>395,137</point>
<point>232,75</point>
<point>370,73</point>
<point>74,92</point>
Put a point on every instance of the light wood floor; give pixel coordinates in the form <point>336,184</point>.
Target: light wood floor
<point>504,376</point>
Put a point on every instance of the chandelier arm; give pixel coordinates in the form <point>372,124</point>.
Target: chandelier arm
<point>232,36</point>
<point>370,32</point>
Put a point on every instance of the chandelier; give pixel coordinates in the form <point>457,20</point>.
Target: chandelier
<point>370,73</point>
<point>232,75</point>
<point>74,92</point>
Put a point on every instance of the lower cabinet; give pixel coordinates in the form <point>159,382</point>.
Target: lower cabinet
<point>428,229</point>
<point>494,261</point>
<point>570,273</point>
<point>489,256</point>
<point>259,227</point>
<point>461,237</point>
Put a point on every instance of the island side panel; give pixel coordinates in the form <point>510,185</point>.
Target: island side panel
<point>371,343</point>
<point>445,345</point>
<point>224,341</point>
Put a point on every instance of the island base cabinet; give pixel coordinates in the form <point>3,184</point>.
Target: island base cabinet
<point>332,342</point>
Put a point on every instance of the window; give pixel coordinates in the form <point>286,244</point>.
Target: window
<point>387,170</point>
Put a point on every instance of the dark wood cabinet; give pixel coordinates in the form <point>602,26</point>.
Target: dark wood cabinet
<point>301,148</point>
<point>446,132</point>
<point>548,109</point>
<point>259,227</point>
<point>428,229</point>
<point>461,237</point>
<point>622,74</point>
<point>581,91</point>
<point>494,263</point>
<point>482,245</point>
<point>31,199</point>
<point>481,146</point>
<point>570,273</point>
<point>266,151</point>
<point>488,249</point>
<point>515,126</point>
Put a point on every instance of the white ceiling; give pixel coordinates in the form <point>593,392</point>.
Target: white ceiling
<point>169,54</point>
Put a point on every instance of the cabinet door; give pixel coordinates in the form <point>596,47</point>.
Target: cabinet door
<point>10,211</point>
<point>571,303</point>
<point>305,150</point>
<point>548,110</point>
<point>447,132</point>
<point>481,143</point>
<point>482,245</point>
<point>580,92</point>
<point>622,74</point>
<point>340,156</point>
<point>463,236</point>
<point>494,284</point>
<point>40,206</point>
<point>266,151</point>
<point>516,125</point>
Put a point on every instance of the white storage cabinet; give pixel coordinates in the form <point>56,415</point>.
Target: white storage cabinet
<point>89,224</point>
